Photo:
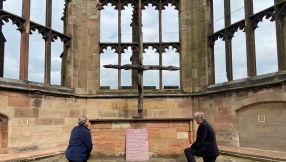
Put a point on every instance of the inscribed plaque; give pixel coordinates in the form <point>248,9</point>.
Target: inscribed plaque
<point>137,145</point>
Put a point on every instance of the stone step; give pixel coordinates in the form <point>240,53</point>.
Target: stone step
<point>61,158</point>
<point>252,157</point>
<point>227,154</point>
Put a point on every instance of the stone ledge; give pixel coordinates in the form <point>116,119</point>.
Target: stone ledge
<point>256,81</point>
<point>105,92</point>
<point>147,93</point>
<point>253,154</point>
<point>251,157</point>
<point>33,155</point>
<point>140,119</point>
<point>33,86</point>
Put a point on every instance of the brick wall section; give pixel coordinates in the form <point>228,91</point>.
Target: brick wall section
<point>165,137</point>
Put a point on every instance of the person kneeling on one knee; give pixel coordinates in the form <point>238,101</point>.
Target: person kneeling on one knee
<point>205,145</point>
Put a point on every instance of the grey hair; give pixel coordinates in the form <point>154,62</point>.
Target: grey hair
<point>201,115</point>
<point>82,119</point>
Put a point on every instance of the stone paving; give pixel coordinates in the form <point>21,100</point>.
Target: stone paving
<point>222,158</point>
<point>227,154</point>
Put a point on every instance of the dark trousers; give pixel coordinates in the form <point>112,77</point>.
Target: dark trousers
<point>190,153</point>
<point>77,161</point>
<point>209,159</point>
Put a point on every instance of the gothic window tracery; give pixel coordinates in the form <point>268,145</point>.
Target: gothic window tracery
<point>249,26</point>
<point>158,47</point>
<point>29,29</point>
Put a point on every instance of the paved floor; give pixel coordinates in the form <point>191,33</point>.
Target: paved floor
<point>221,158</point>
<point>228,154</point>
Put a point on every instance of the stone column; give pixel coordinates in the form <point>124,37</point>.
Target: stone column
<point>250,39</point>
<point>48,42</point>
<point>194,17</point>
<point>83,58</point>
<point>185,39</point>
<point>280,36</point>
<point>25,35</point>
<point>2,46</point>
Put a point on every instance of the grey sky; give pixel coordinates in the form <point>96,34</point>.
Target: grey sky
<point>265,43</point>
<point>37,44</point>
<point>266,54</point>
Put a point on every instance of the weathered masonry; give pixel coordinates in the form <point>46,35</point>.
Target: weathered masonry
<point>243,112</point>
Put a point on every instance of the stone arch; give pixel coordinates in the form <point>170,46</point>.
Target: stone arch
<point>3,134</point>
<point>262,125</point>
<point>260,98</point>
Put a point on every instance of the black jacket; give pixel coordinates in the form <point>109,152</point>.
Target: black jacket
<point>205,144</point>
<point>80,144</point>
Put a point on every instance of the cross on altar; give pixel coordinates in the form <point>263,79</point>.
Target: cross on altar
<point>140,68</point>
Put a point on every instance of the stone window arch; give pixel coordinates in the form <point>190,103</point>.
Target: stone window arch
<point>159,47</point>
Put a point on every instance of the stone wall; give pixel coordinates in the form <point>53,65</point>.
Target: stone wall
<point>235,116</point>
<point>83,57</point>
<point>37,121</point>
<point>122,108</point>
<point>165,138</point>
<point>263,126</point>
<point>43,118</point>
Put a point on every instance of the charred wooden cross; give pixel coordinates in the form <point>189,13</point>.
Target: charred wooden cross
<point>140,68</point>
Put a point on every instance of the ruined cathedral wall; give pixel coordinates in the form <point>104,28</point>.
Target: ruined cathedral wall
<point>38,121</point>
<point>165,137</point>
<point>166,118</point>
<point>122,108</point>
<point>251,118</point>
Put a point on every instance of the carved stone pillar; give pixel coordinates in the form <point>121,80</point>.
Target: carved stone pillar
<point>25,35</point>
<point>194,17</point>
<point>83,57</point>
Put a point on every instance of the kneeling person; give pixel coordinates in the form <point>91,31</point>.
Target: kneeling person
<point>80,144</point>
<point>205,145</point>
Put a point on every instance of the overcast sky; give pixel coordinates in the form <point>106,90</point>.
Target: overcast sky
<point>265,43</point>
<point>37,44</point>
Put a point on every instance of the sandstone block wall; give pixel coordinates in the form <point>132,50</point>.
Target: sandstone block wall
<point>239,116</point>
<point>165,138</point>
<point>38,121</point>
<point>118,108</point>
<point>44,120</point>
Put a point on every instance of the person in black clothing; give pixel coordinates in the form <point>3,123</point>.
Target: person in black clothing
<point>80,144</point>
<point>205,145</point>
